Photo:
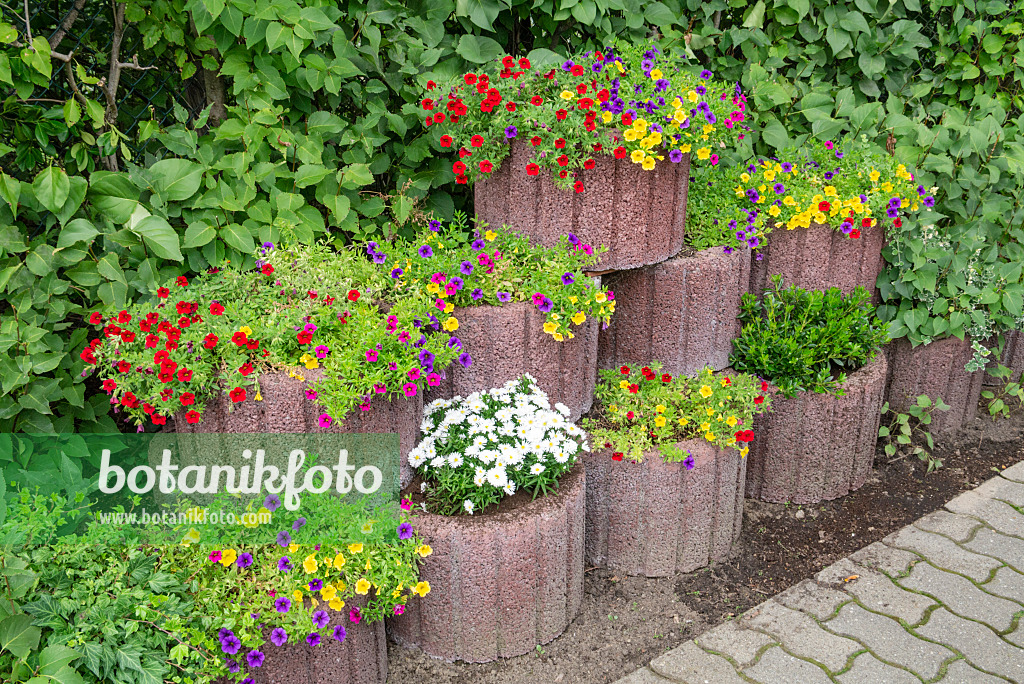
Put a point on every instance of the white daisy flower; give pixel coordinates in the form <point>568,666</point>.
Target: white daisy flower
<point>510,488</point>
<point>497,476</point>
<point>562,408</point>
<point>468,505</point>
<point>455,460</point>
<point>537,469</point>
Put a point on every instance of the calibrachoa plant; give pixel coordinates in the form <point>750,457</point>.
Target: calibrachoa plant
<point>479,449</point>
<point>643,408</point>
<point>804,340</point>
<point>453,266</point>
<point>631,102</point>
<point>304,592</point>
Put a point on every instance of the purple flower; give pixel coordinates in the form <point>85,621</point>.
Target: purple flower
<point>455,343</point>
<point>568,65</point>
<point>425,251</point>
<point>255,658</point>
<point>511,132</point>
<point>705,74</point>
<point>434,225</point>
<point>426,357</point>
<point>297,525</point>
<point>405,531</point>
<point>465,360</point>
<point>828,175</point>
<point>284,539</point>
<point>321,618</point>
<point>339,633</point>
<point>283,604</point>
<point>839,155</point>
<point>316,585</point>
<point>272,502</point>
<point>278,637</point>
<point>380,258</point>
<point>920,190</point>
<point>313,639</point>
<point>233,666</point>
<point>568,279</point>
<point>244,560</point>
<point>397,273</point>
<point>230,644</point>
<point>688,461</point>
<point>504,297</point>
<point>284,565</point>
<point>675,156</point>
<point>465,268</point>
<point>573,240</point>
<point>478,244</point>
<point>546,306</point>
<point>787,167</point>
<point>779,188</point>
<point>846,227</point>
<point>929,201</point>
<point>477,294</point>
<point>456,283</point>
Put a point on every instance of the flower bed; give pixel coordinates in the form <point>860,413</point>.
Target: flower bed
<point>938,371</point>
<point>682,312</point>
<point>817,447</point>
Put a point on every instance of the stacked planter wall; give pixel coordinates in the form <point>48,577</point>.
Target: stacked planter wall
<point>937,370</point>
<point>817,447</point>
<point>682,312</point>
<point>657,519</point>
<point>639,215</point>
<point>285,409</point>
<point>507,341</point>
<point>820,257</point>
<point>1013,357</point>
<point>500,584</point>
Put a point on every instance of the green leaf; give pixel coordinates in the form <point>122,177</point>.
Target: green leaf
<point>114,195</point>
<point>198,234</point>
<point>802,7</point>
<point>51,187</point>
<point>310,174</point>
<point>478,49</point>
<point>72,112</point>
<point>10,191</point>
<point>109,268</point>
<point>18,636</point>
<point>754,18</point>
<point>355,175</point>
<point>658,14</point>
<point>54,657</point>
<point>993,43</point>
<point>78,230</point>
<point>176,179</point>
<point>159,236</point>
<point>238,237</point>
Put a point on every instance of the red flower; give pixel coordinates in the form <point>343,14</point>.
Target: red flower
<point>646,370</point>
<point>562,160</point>
<point>304,337</point>
<point>629,415</point>
<point>123,366</point>
<point>532,169</point>
<point>627,119</point>
<point>127,336</point>
<point>129,400</point>
<point>184,375</point>
<point>237,394</point>
<point>617,456</point>
<point>560,144</point>
<point>429,121</point>
<point>728,382</point>
<point>267,269</point>
<point>431,85</point>
<point>109,385</point>
<point>585,103</point>
<point>563,173</point>
<point>561,114</point>
<point>187,398</point>
<point>171,344</point>
<point>458,168</point>
<point>160,357</point>
<point>620,152</point>
<point>439,117</point>
<point>537,100</point>
<point>524,63</point>
<point>824,206</point>
<point>159,420</point>
<point>252,344</point>
<point>210,341</point>
<point>463,153</point>
<point>589,164</point>
<point>181,281</point>
<point>216,308</point>
<point>470,79</point>
<point>485,166</point>
<point>461,180</point>
<point>624,370</point>
<point>510,106</point>
<point>239,338</point>
<point>855,233</point>
<point>634,388</point>
<point>446,141</point>
<point>192,417</point>
<point>865,223</point>
<point>603,95</point>
<point>759,400</point>
<point>163,293</point>
<point>764,386</point>
<point>898,222</point>
<point>476,140</point>
<point>124,317</point>
<point>353,295</point>
<point>312,294</point>
<point>666,377</point>
<point>95,318</point>
<point>535,140</point>
<point>598,147</point>
<point>508,61</point>
<point>578,186</point>
<point>246,369</point>
<point>577,70</point>
<point>428,104</point>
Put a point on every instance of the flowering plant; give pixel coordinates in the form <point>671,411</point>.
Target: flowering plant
<point>644,409</point>
<point>478,450</point>
<point>631,102</point>
<point>804,340</point>
<point>446,267</point>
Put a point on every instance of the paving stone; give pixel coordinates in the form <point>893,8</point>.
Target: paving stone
<point>1007,583</point>
<point>876,591</point>
<point>888,640</point>
<point>944,552</point>
<point>1010,550</point>
<point>980,645</point>
<point>1004,490</point>
<point>777,666</point>
<point>812,598</point>
<point>959,672</point>
<point>961,596</point>
<point>644,676</point>
<point>1017,636</point>
<point>801,635</point>
<point>742,645</point>
<point>959,528</point>
<point>1014,472</point>
<point>997,514</point>
<point>870,670</point>
<point>690,665</point>
<point>884,558</point>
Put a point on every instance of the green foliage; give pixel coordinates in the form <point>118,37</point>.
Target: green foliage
<point>804,340</point>
<point>904,428</point>
<point>1000,400</point>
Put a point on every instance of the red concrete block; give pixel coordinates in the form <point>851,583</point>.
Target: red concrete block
<point>936,369</point>
<point>818,447</point>
<point>658,519</point>
<point>638,215</point>
<point>821,257</point>
<point>286,409</point>
<point>500,584</point>
<point>1012,358</point>
<point>507,341</point>
<point>681,312</point>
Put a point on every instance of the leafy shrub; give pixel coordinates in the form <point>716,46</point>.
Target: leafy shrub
<point>643,409</point>
<point>804,340</point>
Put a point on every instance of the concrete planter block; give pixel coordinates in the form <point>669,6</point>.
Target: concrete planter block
<point>818,447</point>
<point>286,409</point>
<point>507,341</point>
<point>681,312</point>
<point>820,257</point>
<point>936,369</point>
<point>658,519</point>
<point>502,584</point>
<point>1013,356</point>
<point>638,215</point>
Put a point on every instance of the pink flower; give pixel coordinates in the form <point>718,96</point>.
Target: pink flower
<point>714,159</point>
<point>406,504</point>
<point>215,556</point>
<point>414,374</point>
<point>311,394</point>
<point>325,420</point>
<point>392,324</point>
<point>829,145</point>
<point>433,379</point>
<point>440,304</point>
<point>399,609</point>
<point>410,389</point>
<point>355,616</point>
<point>379,388</point>
<point>371,355</point>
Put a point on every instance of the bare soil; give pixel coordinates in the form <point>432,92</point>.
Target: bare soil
<point>627,621</point>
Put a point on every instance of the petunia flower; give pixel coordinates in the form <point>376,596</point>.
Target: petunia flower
<point>321,618</point>
<point>339,633</point>
<point>255,658</point>
<point>405,531</point>
<point>425,251</point>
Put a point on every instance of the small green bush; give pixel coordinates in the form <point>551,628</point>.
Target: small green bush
<point>804,340</point>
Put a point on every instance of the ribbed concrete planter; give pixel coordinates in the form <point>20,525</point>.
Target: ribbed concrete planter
<point>1013,356</point>
<point>285,409</point>
<point>507,341</point>
<point>657,519</point>
<point>681,312</point>
<point>638,215</point>
<point>360,659</point>
<point>500,585</point>
<point>818,447</point>
<point>820,257</point>
<point>935,369</point>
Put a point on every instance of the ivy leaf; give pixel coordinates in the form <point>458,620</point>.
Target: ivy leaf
<point>10,191</point>
<point>51,187</point>
<point>18,635</point>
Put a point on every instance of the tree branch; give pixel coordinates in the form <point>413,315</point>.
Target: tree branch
<point>66,24</point>
<point>213,85</point>
<point>70,73</point>
<point>113,78</point>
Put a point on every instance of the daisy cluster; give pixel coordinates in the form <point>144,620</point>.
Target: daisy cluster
<point>484,447</point>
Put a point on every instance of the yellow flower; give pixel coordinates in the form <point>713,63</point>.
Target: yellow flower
<point>310,565</point>
<point>558,337</point>
<point>660,408</point>
<point>710,436</point>
<point>292,548</point>
<point>367,568</point>
<point>703,153</point>
<point>744,451</point>
<point>706,391</point>
<point>297,595</point>
<point>228,557</point>
<point>550,328</point>
<point>367,527</point>
<point>362,586</point>
<point>578,318</point>
<point>451,324</point>
<point>312,363</point>
<point>630,135</point>
<point>710,411</point>
<point>731,421</point>
<point>339,561</point>
<point>774,210</point>
<point>769,175</point>
<point>647,164</point>
<point>659,421</point>
<point>600,298</point>
<point>191,537</point>
<point>745,177</point>
<point>684,421</point>
<point>640,125</point>
<point>490,235</point>
<point>355,548</point>
<point>424,550</point>
<point>567,95</point>
<point>685,148</point>
<point>705,426</point>
<point>618,65</point>
<point>874,176</point>
<point>613,408</point>
<point>692,96</point>
<point>258,397</point>
<point>328,592</point>
<point>887,186</point>
<point>606,117</point>
<point>336,603</point>
<point>433,288</point>
<point>623,384</point>
<point>637,156</point>
<point>655,74</point>
<point>245,329</point>
<point>448,308</point>
<point>421,588</point>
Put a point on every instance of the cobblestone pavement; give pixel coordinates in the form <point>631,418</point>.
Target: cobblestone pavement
<point>939,600</point>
